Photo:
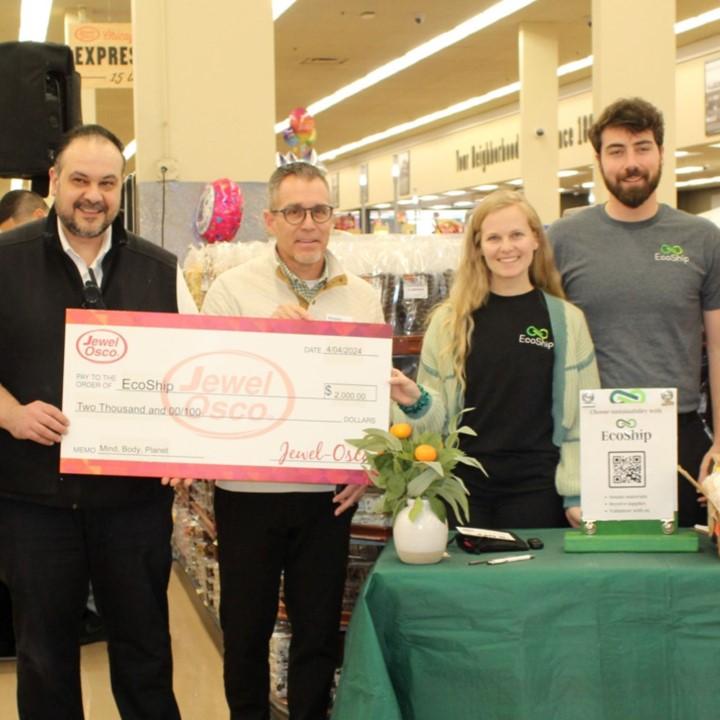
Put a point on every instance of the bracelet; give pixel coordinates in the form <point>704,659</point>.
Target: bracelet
<point>420,404</point>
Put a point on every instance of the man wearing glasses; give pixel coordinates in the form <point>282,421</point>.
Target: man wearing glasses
<point>59,532</point>
<point>300,531</point>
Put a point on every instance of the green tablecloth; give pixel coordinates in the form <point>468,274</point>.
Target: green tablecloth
<point>561,637</point>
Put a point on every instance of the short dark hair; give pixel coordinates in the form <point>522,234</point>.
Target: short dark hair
<point>303,170</point>
<point>88,131</point>
<point>19,204</point>
<point>635,114</point>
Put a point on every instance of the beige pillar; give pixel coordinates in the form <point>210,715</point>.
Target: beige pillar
<point>204,89</point>
<point>538,61</point>
<point>634,55</point>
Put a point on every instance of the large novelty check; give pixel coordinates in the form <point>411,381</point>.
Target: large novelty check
<point>155,394</point>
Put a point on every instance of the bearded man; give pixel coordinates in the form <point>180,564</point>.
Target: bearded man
<point>58,532</point>
<point>647,277</point>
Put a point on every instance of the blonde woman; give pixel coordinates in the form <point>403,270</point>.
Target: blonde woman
<point>506,344</point>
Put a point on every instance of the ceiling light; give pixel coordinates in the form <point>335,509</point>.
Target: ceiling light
<point>419,122</point>
<point>567,173</point>
<point>698,21</point>
<point>575,65</point>
<point>486,188</point>
<point>464,203</point>
<point>427,198</point>
<point>34,18</point>
<point>715,145</point>
<point>455,193</point>
<point>517,182</point>
<point>681,153</point>
<point>440,207</point>
<point>689,169</point>
<point>474,102</point>
<point>493,14</point>
<point>698,181</point>
<point>587,185</point>
<point>280,6</point>
<point>382,206</point>
<point>130,149</point>
<point>408,201</point>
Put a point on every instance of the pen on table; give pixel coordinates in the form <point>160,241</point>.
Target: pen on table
<point>502,560</point>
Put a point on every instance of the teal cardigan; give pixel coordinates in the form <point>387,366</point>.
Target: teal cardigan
<point>574,370</point>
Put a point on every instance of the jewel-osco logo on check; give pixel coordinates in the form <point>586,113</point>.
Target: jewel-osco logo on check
<point>536,336</point>
<point>671,253</point>
<point>627,396</point>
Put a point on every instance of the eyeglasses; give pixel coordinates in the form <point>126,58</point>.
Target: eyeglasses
<point>92,294</point>
<point>296,214</point>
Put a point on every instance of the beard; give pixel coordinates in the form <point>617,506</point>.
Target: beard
<point>635,195</point>
<point>81,228</point>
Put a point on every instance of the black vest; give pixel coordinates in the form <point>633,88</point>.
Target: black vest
<point>38,281</point>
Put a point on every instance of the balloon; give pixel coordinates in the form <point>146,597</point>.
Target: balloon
<point>301,134</point>
<point>220,211</point>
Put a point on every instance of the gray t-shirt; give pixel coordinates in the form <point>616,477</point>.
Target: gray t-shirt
<point>643,287</point>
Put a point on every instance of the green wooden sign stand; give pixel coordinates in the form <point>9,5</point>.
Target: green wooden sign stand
<point>631,536</point>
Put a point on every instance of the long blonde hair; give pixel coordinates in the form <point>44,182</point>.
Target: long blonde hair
<point>471,286</point>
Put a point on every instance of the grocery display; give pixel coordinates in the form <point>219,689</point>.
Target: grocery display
<point>411,273</point>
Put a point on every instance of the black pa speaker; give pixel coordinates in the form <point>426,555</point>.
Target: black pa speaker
<point>39,102</point>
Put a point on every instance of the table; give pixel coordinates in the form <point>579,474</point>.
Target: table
<point>562,637</point>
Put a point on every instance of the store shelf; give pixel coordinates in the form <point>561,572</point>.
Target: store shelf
<point>204,519</point>
<point>407,344</point>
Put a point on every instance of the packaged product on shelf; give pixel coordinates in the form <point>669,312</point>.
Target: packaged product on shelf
<point>411,273</point>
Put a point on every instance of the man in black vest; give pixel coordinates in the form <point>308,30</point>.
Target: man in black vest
<point>59,532</point>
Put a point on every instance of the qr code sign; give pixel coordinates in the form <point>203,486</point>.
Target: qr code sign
<point>627,469</point>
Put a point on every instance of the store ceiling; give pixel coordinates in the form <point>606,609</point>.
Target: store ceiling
<point>321,45</point>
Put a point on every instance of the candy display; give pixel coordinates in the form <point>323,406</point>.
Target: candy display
<point>411,273</point>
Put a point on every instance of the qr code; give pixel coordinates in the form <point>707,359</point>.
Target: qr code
<point>627,469</point>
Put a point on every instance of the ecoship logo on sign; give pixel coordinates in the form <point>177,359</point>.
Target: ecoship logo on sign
<point>627,396</point>
<point>671,253</point>
<point>536,336</point>
<point>623,423</point>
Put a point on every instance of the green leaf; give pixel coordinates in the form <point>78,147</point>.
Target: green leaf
<point>435,466</point>
<point>473,462</point>
<point>417,486</point>
<point>391,441</point>
<point>438,507</point>
<point>416,509</point>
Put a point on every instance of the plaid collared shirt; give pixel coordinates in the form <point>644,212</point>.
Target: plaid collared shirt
<point>299,286</point>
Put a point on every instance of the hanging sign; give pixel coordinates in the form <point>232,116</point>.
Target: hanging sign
<point>628,454</point>
<point>103,54</point>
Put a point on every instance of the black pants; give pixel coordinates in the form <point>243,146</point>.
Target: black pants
<point>260,536</point>
<point>503,511</point>
<point>7,636</point>
<point>47,557</point>
<point>693,443</point>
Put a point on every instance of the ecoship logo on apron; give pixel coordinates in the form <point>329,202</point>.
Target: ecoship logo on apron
<point>671,253</point>
<point>536,336</point>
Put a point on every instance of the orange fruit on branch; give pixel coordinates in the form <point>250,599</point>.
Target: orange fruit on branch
<point>401,430</point>
<point>425,453</point>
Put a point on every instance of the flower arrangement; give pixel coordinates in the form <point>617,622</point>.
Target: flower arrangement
<point>405,465</point>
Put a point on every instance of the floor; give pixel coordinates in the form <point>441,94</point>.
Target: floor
<point>198,670</point>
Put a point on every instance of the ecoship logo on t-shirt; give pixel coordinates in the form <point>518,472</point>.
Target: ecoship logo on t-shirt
<point>671,253</point>
<point>536,336</point>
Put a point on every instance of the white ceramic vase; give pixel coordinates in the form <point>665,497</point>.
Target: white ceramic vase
<point>422,541</point>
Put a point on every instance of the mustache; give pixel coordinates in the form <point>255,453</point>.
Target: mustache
<point>633,173</point>
<point>91,206</point>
